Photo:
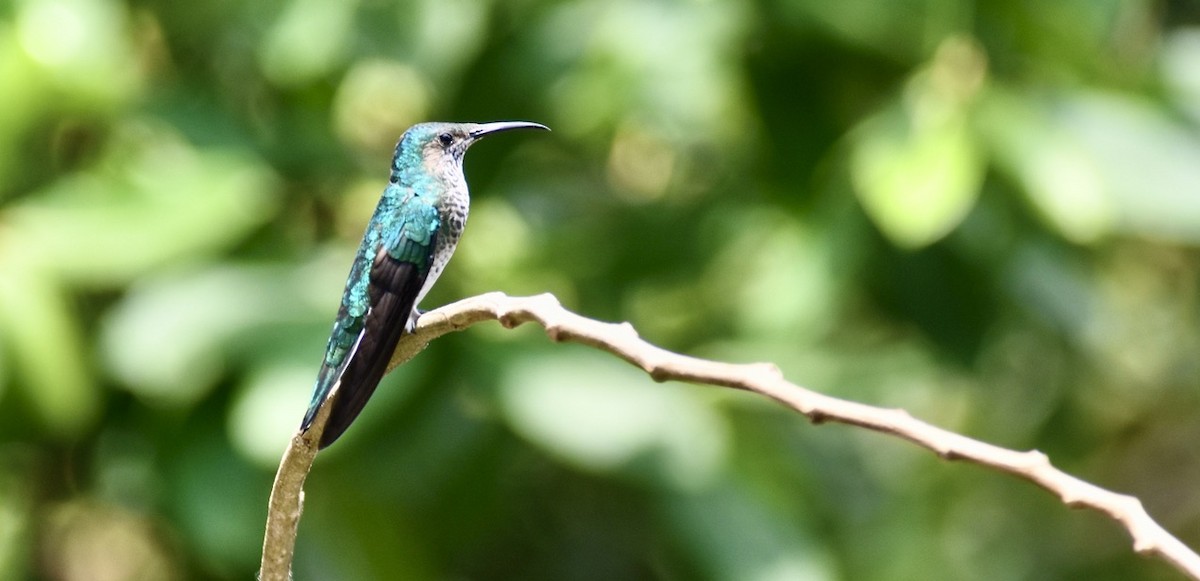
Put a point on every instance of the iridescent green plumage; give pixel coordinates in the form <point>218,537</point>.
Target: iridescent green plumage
<point>408,242</point>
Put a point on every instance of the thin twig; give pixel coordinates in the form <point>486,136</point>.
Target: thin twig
<point>1149,538</point>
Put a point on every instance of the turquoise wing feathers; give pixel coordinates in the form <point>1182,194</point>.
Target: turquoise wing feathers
<point>387,276</point>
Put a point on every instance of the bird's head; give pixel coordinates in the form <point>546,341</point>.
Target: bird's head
<point>439,147</point>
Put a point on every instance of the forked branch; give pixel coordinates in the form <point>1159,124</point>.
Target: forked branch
<point>1149,538</point>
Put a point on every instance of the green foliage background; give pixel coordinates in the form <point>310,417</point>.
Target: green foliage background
<point>984,212</point>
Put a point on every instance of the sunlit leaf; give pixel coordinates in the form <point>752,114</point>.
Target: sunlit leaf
<point>916,165</point>
<point>916,183</point>
<point>82,46</point>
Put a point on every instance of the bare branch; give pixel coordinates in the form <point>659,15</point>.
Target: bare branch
<point>1149,538</point>
<point>287,500</point>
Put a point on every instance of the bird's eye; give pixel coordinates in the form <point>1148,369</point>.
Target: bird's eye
<point>446,139</point>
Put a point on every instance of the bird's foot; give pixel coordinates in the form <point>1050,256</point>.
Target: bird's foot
<point>411,325</point>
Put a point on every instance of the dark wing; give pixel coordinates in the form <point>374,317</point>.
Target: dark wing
<point>344,337</point>
<point>397,274</point>
<point>394,287</point>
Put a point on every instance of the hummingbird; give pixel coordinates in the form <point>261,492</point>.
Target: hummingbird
<point>410,238</point>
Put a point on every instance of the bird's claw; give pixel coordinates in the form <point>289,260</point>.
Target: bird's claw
<point>411,325</point>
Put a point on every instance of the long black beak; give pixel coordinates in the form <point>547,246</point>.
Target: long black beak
<point>482,129</point>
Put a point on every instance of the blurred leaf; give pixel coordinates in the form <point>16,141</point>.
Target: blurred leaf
<point>204,316</point>
<point>86,541</point>
<point>81,46</point>
<point>447,34</point>
<point>267,411</point>
<point>1045,281</point>
<point>1093,164</point>
<point>917,184</point>
<point>916,166</point>
<point>17,502</point>
<point>156,200</point>
<point>1059,176</point>
<point>308,40</point>
<point>500,247</point>
<point>41,331</point>
<point>604,417</point>
<point>1181,49</point>
<point>763,546</point>
<point>902,29</point>
<point>658,64</point>
<point>20,101</point>
<point>775,277</point>
<point>1147,159</point>
<point>183,184</point>
<point>218,503</point>
<point>376,101</point>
